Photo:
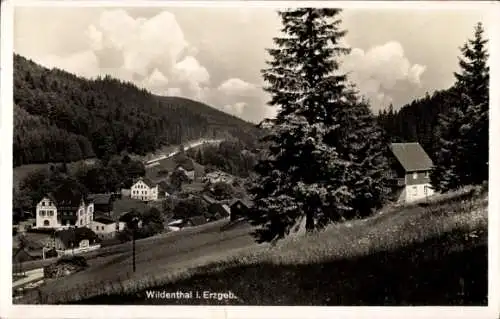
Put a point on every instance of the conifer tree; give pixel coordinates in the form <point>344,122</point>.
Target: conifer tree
<point>462,155</point>
<point>366,146</point>
<point>307,171</point>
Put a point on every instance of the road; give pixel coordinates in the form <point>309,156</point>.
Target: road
<point>31,275</point>
<point>186,147</point>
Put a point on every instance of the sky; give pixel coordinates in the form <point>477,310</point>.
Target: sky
<point>215,55</point>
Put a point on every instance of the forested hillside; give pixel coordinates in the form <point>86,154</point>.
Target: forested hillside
<point>60,117</point>
<point>419,119</point>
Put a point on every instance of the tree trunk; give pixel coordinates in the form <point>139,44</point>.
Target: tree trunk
<point>309,222</point>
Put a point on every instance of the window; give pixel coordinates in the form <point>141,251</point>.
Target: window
<point>43,203</point>
<point>426,174</point>
<point>415,175</point>
<point>81,222</point>
<point>50,203</point>
<point>46,223</point>
<point>51,213</point>
<point>102,227</point>
<point>414,191</point>
<point>96,227</point>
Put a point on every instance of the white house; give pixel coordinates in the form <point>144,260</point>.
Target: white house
<point>411,169</point>
<point>106,227</point>
<point>144,189</point>
<point>63,210</point>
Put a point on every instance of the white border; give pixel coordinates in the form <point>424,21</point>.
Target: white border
<point>6,116</point>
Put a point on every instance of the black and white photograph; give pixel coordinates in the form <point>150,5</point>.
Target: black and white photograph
<point>250,155</point>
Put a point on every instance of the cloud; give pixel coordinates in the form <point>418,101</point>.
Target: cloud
<point>235,86</point>
<point>156,82</point>
<point>173,53</point>
<point>235,109</point>
<point>378,70</point>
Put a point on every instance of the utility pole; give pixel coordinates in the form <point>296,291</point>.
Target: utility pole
<point>135,222</point>
<point>133,250</point>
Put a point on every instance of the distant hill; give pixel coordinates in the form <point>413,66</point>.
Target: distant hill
<point>60,117</point>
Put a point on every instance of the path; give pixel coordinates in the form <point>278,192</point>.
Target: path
<point>31,275</point>
<point>186,147</point>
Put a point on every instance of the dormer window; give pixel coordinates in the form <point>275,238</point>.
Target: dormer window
<point>415,175</point>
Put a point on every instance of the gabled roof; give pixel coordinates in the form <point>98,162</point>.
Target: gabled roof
<point>65,199</point>
<point>197,220</point>
<point>104,220</point>
<point>165,187</point>
<point>100,199</point>
<point>146,181</point>
<point>411,156</point>
<point>209,199</point>
<point>245,202</point>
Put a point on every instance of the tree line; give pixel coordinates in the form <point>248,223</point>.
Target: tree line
<point>232,156</point>
<point>60,117</point>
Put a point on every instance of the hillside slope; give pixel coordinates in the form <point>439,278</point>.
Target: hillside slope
<point>410,255</point>
<point>56,110</point>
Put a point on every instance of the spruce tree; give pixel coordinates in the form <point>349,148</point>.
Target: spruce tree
<point>473,83</point>
<point>462,155</point>
<point>307,171</point>
<point>363,142</point>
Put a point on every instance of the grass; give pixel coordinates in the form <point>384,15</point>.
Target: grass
<point>21,172</point>
<point>421,254</point>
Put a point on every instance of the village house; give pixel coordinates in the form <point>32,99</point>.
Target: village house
<point>62,210</point>
<point>126,219</point>
<point>240,208</point>
<point>188,168</point>
<point>165,190</point>
<point>106,227</point>
<point>410,172</point>
<point>103,203</point>
<point>74,238</point>
<point>216,209</point>
<point>144,189</point>
<point>195,221</point>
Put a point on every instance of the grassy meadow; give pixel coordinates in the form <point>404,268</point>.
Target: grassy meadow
<point>429,253</point>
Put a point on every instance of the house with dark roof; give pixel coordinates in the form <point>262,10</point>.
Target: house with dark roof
<point>196,221</point>
<point>410,172</point>
<point>144,189</point>
<point>74,238</point>
<point>239,208</point>
<point>165,189</point>
<point>106,227</point>
<point>188,168</point>
<point>218,210</point>
<point>64,208</point>
<point>103,203</point>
